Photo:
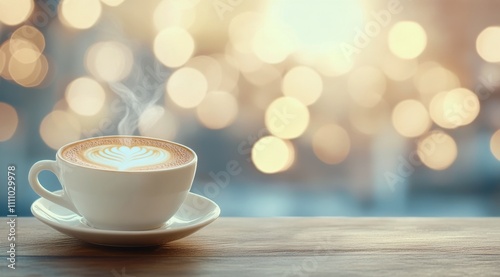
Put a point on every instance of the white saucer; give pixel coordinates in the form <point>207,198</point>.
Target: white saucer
<point>195,213</point>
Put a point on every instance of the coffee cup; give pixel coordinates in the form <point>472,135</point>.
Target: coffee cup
<point>127,183</point>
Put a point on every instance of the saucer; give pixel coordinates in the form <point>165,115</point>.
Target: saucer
<point>195,213</point>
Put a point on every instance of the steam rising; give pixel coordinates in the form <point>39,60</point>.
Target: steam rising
<point>148,89</point>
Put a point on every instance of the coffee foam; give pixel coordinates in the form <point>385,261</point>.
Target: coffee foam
<point>127,154</point>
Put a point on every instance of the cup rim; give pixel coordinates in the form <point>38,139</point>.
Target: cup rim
<point>61,158</point>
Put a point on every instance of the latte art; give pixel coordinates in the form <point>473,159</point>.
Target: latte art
<point>127,153</point>
<point>124,157</point>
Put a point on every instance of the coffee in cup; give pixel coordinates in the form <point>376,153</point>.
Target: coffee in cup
<point>120,182</point>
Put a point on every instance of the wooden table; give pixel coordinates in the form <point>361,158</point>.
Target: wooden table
<point>274,247</point>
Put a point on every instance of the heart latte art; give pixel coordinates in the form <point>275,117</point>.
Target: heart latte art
<point>124,157</point>
<point>127,154</point>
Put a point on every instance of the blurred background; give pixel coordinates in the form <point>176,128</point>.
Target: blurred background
<point>295,108</point>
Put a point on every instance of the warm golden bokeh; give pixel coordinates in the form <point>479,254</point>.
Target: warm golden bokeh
<point>333,64</point>
<point>3,60</point>
<point>410,118</point>
<point>28,74</point>
<point>407,39</point>
<point>264,75</point>
<point>80,14</point>
<point>331,144</point>
<point>173,46</point>
<point>218,110</point>
<point>8,121</point>
<point>495,144</point>
<point>287,118</point>
<point>437,150</point>
<point>5,57</point>
<point>169,13</point>
<point>59,128</point>
<point>242,30</point>
<point>187,87</point>
<point>109,61</point>
<point>431,79</point>
<point>437,111</point>
<point>454,108</point>
<point>27,44</point>
<point>398,69</point>
<point>303,83</point>
<point>487,43</point>
<point>317,26</point>
<point>272,44</point>
<point>14,12</point>
<point>461,106</point>
<point>210,68</point>
<point>230,72</point>
<point>157,122</point>
<point>85,96</point>
<point>271,154</point>
<point>367,85</point>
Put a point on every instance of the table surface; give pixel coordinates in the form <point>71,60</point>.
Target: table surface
<point>318,246</point>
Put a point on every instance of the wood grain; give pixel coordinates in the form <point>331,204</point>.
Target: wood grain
<point>275,247</point>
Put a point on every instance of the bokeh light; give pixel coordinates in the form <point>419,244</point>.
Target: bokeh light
<point>495,144</point>
<point>263,76</point>
<point>173,46</point>
<point>246,62</point>
<point>5,57</point>
<point>454,108</point>
<point>85,96</point>
<point>431,78</point>
<point>271,154</point>
<point>80,14</point>
<point>287,118</point>
<point>461,106</point>
<point>407,39</point>
<point>366,85</point>
<point>242,30</point>
<point>303,83</point>
<point>169,13</point>
<point>437,150</point>
<point>218,110</point>
<point>398,69</point>
<point>109,61</point>
<point>487,43</point>
<point>28,74</point>
<point>3,60</point>
<point>8,121</point>
<point>437,111</point>
<point>113,3</point>
<point>14,12</point>
<point>27,44</point>
<point>187,87</point>
<point>318,26</point>
<point>333,63</point>
<point>210,68</point>
<point>272,44</point>
<point>19,70</point>
<point>157,122</point>
<point>59,128</point>
<point>331,144</point>
<point>230,72</point>
<point>410,118</point>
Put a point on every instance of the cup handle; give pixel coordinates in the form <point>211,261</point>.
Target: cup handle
<point>62,200</point>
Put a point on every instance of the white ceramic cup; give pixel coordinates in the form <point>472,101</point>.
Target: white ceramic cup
<point>117,200</point>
